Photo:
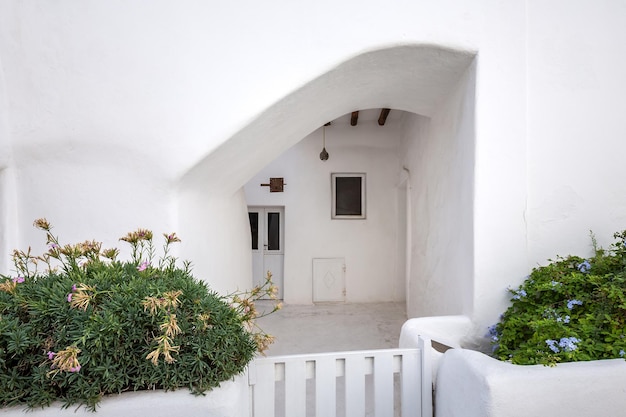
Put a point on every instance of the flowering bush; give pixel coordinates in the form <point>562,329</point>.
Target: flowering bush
<point>91,325</point>
<point>573,309</point>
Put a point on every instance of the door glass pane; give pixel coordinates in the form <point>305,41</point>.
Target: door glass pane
<point>273,231</point>
<point>254,229</point>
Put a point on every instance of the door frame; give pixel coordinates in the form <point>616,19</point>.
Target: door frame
<point>262,258</point>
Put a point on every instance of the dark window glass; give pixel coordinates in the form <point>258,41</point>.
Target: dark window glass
<point>348,196</point>
<point>273,231</point>
<point>254,229</point>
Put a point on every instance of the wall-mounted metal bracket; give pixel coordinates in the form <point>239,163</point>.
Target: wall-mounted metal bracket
<point>276,185</point>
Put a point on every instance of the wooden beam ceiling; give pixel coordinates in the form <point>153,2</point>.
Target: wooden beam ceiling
<point>383,116</point>
<point>354,119</point>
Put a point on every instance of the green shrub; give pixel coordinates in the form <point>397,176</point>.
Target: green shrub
<point>573,309</point>
<point>94,325</point>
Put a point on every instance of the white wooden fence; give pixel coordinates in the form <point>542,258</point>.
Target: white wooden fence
<point>381,383</point>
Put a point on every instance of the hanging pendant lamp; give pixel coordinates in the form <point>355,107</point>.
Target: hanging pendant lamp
<point>324,154</point>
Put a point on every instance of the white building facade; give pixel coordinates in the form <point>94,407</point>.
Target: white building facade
<point>168,115</point>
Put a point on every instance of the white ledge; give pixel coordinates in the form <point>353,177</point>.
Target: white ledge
<point>229,400</point>
<point>472,384</point>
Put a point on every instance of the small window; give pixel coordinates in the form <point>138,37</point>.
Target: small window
<point>348,196</point>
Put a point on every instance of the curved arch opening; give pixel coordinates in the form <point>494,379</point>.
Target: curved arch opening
<point>419,178</point>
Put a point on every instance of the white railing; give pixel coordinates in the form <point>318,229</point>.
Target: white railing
<point>390,382</point>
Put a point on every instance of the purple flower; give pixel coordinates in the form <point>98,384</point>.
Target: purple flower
<point>552,345</point>
<point>74,288</point>
<point>584,267</point>
<point>572,303</point>
<point>568,343</point>
<point>563,320</point>
<point>18,280</point>
<point>75,369</point>
<point>51,355</point>
<point>143,266</point>
<point>69,298</point>
<point>519,294</point>
<point>493,333</point>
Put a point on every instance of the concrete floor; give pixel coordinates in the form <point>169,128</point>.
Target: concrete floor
<point>332,327</point>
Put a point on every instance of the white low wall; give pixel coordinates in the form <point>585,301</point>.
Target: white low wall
<point>472,384</point>
<point>231,399</point>
<point>446,330</point>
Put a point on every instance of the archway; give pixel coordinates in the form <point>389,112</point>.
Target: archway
<point>434,84</point>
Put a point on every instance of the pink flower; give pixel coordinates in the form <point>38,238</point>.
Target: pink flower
<point>51,355</point>
<point>143,266</point>
<point>73,287</point>
<point>69,298</point>
<point>18,280</point>
<point>75,369</point>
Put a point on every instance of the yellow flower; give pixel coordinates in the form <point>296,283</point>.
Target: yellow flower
<point>81,298</point>
<point>154,356</point>
<point>152,304</point>
<point>8,286</point>
<point>165,347</point>
<point>42,224</point>
<point>171,238</point>
<point>89,247</point>
<point>111,253</point>
<point>170,326</point>
<point>137,235</point>
<point>66,360</point>
<point>263,341</point>
<point>171,298</point>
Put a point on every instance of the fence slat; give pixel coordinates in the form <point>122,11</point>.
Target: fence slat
<point>411,392</point>
<point>325,387</point>
<point>426,373</point>
<point>263,389</point>
<point>295,388</point>
<point>355,385</point>
<point>413,366</point>
<point>383,385</point>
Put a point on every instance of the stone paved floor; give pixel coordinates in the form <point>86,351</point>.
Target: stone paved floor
<point>333,327</point>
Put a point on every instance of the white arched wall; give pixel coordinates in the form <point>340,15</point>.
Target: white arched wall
<point>144,95</point>
<point>438,153</point>
<point>423,79</point>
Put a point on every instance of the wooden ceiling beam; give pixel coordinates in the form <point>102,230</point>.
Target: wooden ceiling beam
<point>383,116</point>
<point>354,119</point>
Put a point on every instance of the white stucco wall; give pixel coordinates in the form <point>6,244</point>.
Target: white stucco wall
<point>575,132</point>
<point>369,246</point>
<point>155,114</point>
<point>471,384</point>
<point>230,399</point>
<point>439,154</point>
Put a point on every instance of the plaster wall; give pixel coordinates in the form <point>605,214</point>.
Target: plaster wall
<point>576,89</point>
<point>154,114</point>
<point>439,155</point>
<point>369,246</point>
<point>471,384</point>
<point>230,399</point>
<point>7,180</point>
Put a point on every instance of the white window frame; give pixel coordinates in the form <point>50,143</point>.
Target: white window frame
<point>333,181</point>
